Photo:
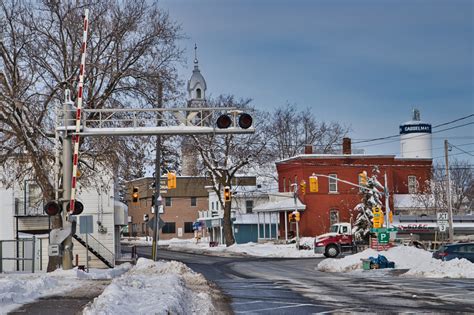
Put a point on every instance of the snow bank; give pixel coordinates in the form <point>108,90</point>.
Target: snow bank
<point>419,263</point>
<point>155,288</point>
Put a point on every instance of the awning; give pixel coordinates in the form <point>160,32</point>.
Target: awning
<point>280,203</point>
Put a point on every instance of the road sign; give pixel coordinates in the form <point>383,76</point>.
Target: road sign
<point>442,217</point>
<point>85,224</point>
<point>442,227</point>
<point>383,237</point>
<point>151,223</point>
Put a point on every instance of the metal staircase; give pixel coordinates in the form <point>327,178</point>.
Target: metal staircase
<point>99,250</point>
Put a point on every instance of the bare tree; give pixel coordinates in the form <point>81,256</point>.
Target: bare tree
<point>432,196</point>
<point>223,157</point>
<point>291,130</point>
<point>131,46</point>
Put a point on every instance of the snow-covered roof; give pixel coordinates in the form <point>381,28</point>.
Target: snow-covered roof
<point>280,202</point>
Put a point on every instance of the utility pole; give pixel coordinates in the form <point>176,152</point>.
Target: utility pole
<point>448,190</point>
<point>295,196</point>
<point>157,195</point>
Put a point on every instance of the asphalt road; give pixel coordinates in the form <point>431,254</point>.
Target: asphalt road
<point>283,286</point>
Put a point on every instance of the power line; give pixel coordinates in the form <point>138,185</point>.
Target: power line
<point>461,149</point>
<point>393,136</point>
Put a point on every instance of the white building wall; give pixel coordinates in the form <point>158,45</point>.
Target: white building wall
<point>7,211</point>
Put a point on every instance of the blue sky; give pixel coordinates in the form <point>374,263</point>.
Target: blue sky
<point>365,64</point>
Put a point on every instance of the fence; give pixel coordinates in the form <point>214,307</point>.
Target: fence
<point>24,254</point>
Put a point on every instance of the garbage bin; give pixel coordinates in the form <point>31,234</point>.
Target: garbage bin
<point>365,264</point>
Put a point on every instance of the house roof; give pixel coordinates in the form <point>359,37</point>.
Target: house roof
<point>280,202</point>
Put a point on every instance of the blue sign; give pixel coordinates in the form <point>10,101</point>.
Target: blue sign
<point>418,128</point>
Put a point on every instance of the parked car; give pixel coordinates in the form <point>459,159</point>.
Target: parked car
<point>459,250</point>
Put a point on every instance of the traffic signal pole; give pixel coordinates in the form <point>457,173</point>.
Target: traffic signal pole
<point>448,190</point>
<point>156,230</point>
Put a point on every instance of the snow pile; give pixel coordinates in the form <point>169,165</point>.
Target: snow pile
<point>102,274</point>
<point>155,288</point>
<point>419,263</point>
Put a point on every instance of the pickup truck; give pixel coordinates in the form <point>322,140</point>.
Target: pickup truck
<point>338,240</point>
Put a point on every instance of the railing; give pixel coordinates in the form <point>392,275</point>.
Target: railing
<point>95,244</point>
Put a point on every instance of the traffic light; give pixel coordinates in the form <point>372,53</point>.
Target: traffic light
<point>227,194</point>
<point>363,178</point>
<point>78,207</point>
<point>292,217</point>
<point>52,208</point>
<point>297,216</point>
<point>390,216</point>
<point>171,180</point>
<point>378,217</point>
<point>313,183</point>
<point>135,194</point>
<point>303,187</point>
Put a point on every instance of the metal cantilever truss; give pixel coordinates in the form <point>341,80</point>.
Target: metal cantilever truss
<point>174,121</point>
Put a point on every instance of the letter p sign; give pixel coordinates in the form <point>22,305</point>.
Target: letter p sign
<point>383,237</point>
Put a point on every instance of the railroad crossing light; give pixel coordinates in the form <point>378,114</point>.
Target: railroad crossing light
<point>52,208</point>
<point>78,207</point>
<point>363,178</point>
<point>313,183</point>
<point>135,194</point>
<point>224,121</point>
<point>227,194</point>
<point>297,216</point>
<point>171,180</point>
<point>303,186</point>
<point>245,121</point>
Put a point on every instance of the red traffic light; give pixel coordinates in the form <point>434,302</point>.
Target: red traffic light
<point>245,121</point>
<point>223,121</point>
<point>52,208</point>
<point>78,207</point>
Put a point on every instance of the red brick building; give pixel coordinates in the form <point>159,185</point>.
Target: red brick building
<point>335,200</point>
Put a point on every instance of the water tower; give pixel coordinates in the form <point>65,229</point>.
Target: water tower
<point>415,138</point>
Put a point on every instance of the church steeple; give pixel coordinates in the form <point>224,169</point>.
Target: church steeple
<point>196,85</point>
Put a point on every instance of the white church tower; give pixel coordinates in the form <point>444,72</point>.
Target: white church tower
<point>196,97</point>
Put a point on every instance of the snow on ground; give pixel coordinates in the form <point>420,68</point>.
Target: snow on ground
<point>19,288</point>
<point>419,263</point>
<point>155,288</point>
<point>268,249</point>
<point>147,288</point>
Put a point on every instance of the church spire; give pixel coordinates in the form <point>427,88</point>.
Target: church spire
<point>196,84</point>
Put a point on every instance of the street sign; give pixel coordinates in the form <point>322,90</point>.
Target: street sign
<point>383,237</point>
<point>85,224</point>
<point>442,227</point>
<point>151,223</point>
<point>442,217</point>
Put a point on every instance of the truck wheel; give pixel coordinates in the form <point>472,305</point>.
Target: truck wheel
<point>331,251</point>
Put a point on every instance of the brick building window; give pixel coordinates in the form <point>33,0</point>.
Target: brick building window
<point>333,216</point>
<point>249,206</point>
<point>168,201</point>
<point>193,202</point>
<point>169,228</point>
<point>333,183</point>
<point>284,184</point>
<point>412,184</point>
<point>188,227</point>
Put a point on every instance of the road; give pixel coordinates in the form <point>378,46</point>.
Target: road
<point>283,286</point>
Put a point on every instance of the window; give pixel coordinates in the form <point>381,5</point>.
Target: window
<point>212,205</point>
<point>188,227</point>
<point>345,230</point>
<point>168,201</point>
<point>332,183</point>
<point>34,195</point>
<point>284,184</point>
<point>333,216</point>
<point>249,206</point>
<point>193,201</point>
<point>198,93</point>
<point>412,185</point>
<point>169,228</point>
<point>217,205</point>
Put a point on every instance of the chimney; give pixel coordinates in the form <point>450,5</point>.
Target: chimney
<point>346,146</point>
<point>308,149</point>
